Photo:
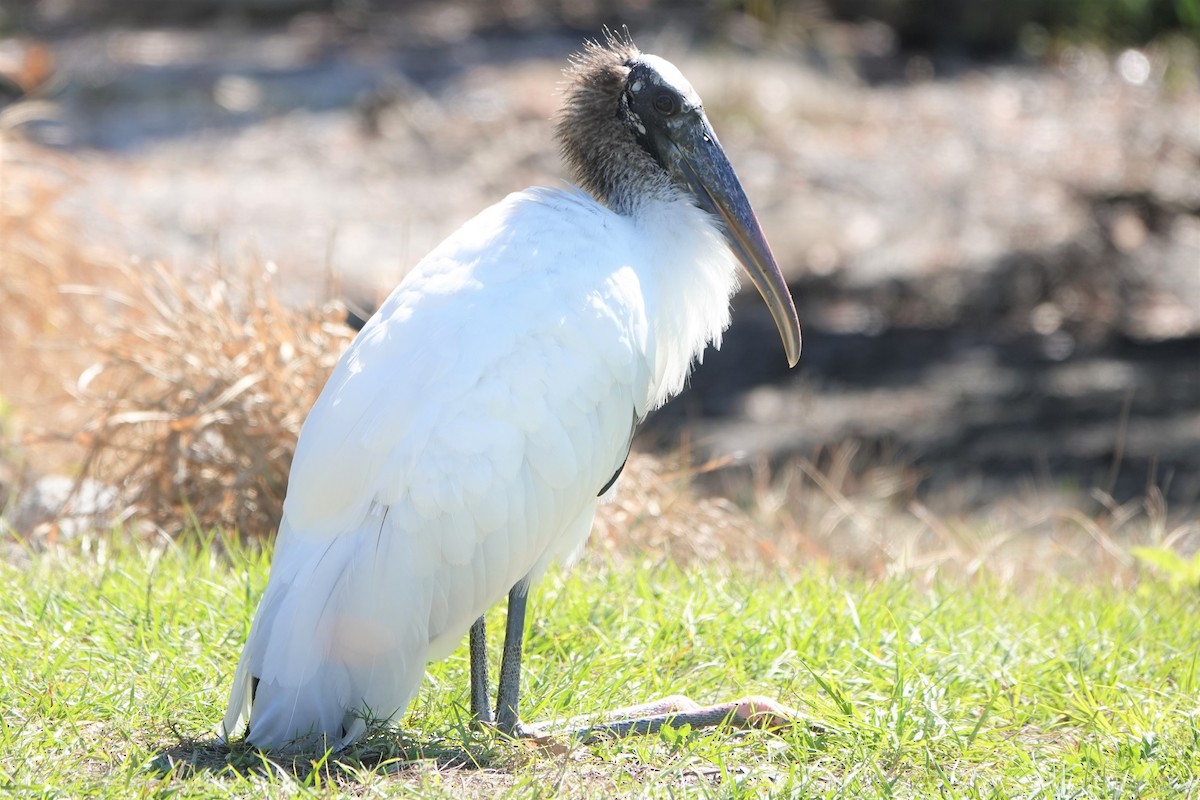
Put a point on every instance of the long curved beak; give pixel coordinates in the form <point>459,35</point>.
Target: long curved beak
<point>710,176</point>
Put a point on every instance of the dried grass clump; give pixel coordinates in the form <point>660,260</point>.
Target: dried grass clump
<point>198,397</point>
<point>657,514</point>
<point>186,402</point>
<point>855,510</point>
<point>40,329</point>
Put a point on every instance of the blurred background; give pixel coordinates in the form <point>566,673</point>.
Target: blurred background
<point>988,211</point>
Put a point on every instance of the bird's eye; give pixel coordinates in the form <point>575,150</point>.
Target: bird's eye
<point>665,104</point>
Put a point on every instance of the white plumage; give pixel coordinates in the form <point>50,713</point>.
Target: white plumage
<point>464,436</point>
<point>461,441</point>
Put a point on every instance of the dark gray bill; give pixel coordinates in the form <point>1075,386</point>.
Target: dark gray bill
<point>710,176</point>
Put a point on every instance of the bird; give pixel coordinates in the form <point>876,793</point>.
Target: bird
<point>464,439</point>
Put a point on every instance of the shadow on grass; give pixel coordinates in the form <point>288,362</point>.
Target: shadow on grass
<point>386,752</point>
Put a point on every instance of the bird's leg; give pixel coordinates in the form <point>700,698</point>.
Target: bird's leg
<point>648,718</point>
<point>481,709</point>
<point>676,711</point>
<point>508,693</point>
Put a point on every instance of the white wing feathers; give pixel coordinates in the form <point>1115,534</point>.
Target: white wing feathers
<point>458,446</point>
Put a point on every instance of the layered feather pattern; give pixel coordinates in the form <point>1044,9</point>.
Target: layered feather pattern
<point>460,443</point>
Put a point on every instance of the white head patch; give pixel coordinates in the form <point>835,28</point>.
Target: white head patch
<point>671,77</point>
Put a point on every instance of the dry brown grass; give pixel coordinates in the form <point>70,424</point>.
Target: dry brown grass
<point>658,514</point>
<point>198,395</point>
<point>858,513</point>
<point>186,399</point>
<point>40,329</point>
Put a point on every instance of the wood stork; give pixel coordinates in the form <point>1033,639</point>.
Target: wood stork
<point>463,440</point>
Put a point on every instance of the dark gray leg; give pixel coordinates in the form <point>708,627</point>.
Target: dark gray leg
<point>508,693</point>
<point>749,712</point>
<point>481,709</point>
<point>648,718</point>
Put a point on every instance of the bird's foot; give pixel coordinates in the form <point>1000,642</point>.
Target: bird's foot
<point>754,711</point>
<point>510,727</point>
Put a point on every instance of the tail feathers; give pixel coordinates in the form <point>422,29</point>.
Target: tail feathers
<point>339,642</point>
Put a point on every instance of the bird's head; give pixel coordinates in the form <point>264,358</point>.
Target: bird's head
<point>632,128</point>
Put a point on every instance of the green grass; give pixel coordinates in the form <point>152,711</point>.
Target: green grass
<point>116,660</point>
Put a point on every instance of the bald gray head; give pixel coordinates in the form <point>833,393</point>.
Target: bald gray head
<point>618,105</point>
<point>632,130</point>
